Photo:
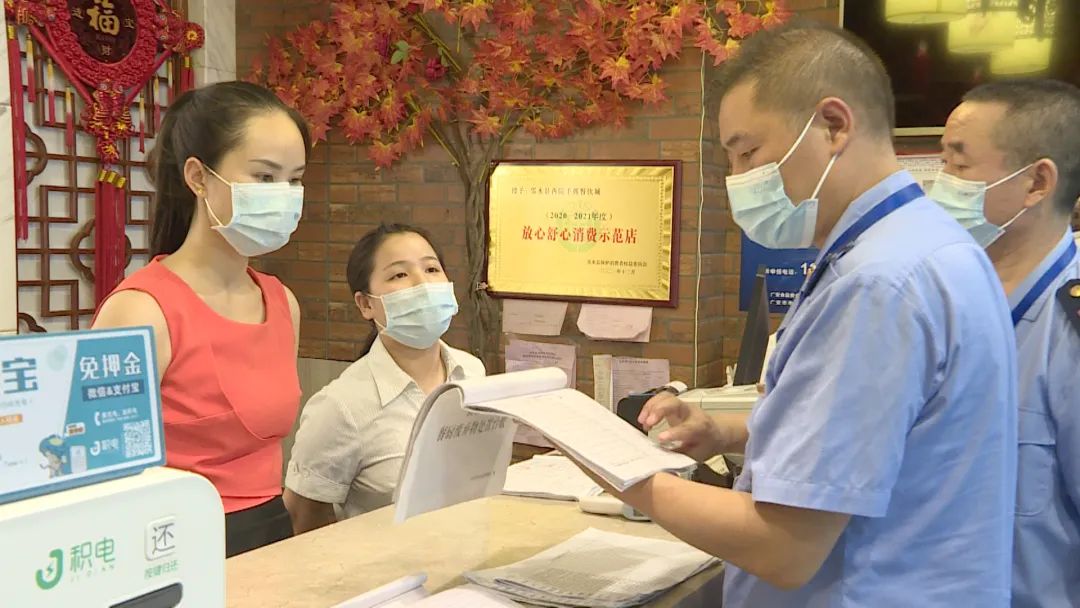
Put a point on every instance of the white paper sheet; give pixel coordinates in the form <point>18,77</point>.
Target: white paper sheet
<point>522,355</point>
<point>504,386</point>
<point>591,434</point>
<point>410,598</point>
<point>548,476</point>
<point>467,596</point>
<point>460,445</point>
<point>602,381</point>
<point>617,323</point>
<point>404,594</point>
<point>923,167</point>
<point>454,456</point>
<point>634,375</point>
<point>533,317</point>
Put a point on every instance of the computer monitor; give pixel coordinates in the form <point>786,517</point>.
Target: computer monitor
<point>755,337</point>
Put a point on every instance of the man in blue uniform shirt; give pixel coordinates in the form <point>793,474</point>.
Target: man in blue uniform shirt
<point>1012,176</point>
<point>881,462</point>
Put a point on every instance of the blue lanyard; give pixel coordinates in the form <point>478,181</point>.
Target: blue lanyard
<point>1044,281</point>
<point>847,239</point>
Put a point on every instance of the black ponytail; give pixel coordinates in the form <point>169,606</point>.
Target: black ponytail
<point>205,124</point>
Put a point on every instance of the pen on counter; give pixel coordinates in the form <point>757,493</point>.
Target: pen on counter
<point>381,595</point>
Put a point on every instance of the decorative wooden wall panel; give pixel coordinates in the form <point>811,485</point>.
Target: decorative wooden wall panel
<point>55,264</point>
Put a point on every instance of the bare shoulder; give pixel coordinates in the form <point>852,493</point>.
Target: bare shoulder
<point>294,315</point>
<point>294,304</point>
<point>132,308</point>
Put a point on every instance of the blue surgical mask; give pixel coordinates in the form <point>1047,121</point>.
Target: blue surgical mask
<point>418,316</point>
<point>965,201</point>
<point>763,210</point>
<point>264,216</point>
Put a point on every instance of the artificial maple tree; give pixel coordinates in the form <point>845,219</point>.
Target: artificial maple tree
<point>473,73</point>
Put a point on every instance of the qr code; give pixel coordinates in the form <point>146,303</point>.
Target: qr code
<point>138,439</point>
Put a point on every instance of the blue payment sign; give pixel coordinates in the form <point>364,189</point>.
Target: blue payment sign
<point>785,272</point>
<point>76,408</point>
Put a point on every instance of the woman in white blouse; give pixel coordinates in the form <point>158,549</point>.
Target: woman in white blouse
<point>353,433</point>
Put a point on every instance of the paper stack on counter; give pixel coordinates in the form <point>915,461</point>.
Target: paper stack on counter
<point>597,569</point>
<point>548,476</point>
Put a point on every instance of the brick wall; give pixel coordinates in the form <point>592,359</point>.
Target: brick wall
<point>346,196</point>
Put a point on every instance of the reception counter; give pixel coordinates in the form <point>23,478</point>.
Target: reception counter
<point>333,564</point>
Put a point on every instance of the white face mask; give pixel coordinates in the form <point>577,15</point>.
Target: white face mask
<point>418,316</point>
<point>762,208</point>
<point>965,201</point>
<point>264,216</point>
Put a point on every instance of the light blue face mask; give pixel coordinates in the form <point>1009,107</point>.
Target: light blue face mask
<point>965,199</point>
<point>418,316</point>
<point>762,208</point>
<point>264,216</point>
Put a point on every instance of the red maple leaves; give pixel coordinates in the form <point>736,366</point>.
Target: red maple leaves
<point>359,125</point>
<point>475,13</point>
<point>385,72</point>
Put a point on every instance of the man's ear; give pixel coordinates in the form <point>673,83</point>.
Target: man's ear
<point>1044,180</point>
<point>840,120</point>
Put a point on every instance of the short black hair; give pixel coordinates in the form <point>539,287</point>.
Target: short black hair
<point>796,65</point>
<point>1041,120</point>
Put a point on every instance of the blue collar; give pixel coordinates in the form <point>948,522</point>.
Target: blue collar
<point>1024,289</point>
<point>865,202</point>
<point>871,207</point>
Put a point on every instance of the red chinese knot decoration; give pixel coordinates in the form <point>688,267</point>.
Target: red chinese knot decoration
<point>109,50</point>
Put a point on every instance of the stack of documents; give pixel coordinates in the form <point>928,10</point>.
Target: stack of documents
<point>548,476</point>
<point>597,570</point>
<point>461,442</point>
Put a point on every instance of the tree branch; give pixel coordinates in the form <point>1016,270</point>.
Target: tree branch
<point>509,133</point>
<point>439,42</point>
<point>450,132</point>
<point>461,139</point>
<point>515,124</point>
<point>455,156</point>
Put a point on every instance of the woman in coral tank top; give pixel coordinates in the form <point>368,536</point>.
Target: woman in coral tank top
<point>227,169</point>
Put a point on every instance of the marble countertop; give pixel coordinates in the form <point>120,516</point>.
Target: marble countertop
<point>333,564</point>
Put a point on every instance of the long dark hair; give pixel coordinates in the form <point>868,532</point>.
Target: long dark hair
<point>206,124</point>
<point>362,263</point>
